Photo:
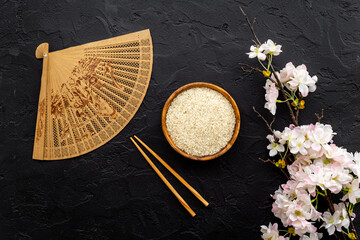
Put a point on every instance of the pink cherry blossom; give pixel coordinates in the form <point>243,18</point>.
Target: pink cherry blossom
<point>353,192</point>
<point>271,96</point>
<point>271,232</point>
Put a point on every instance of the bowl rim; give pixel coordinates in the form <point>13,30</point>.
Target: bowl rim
<point>195,85</point>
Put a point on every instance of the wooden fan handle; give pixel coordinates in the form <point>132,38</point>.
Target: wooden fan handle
<point>42,50</point>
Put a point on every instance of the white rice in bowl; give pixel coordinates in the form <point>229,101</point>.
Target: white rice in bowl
<point>200,121</point>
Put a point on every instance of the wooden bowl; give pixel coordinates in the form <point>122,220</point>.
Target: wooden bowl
<point>216,88</point>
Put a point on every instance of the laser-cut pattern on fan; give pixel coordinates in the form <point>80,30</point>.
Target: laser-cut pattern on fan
<point>89,93</point>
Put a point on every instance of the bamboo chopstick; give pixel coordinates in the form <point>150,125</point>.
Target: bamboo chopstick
<point>177,195</point>
<point>174,173</point>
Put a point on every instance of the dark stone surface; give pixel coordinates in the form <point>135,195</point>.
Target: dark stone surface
<point>112,193</point>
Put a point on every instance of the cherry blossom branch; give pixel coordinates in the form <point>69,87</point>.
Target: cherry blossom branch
<point>292,93</point>
<point>267,160</point>
<point>252,69</point>
<point>319,117</point>
<point>287,176</point>
<point>343,235</point>
<point>287,158</point>
<point>298,108</point>
<point>272,162</point>
<point>251,26</point>
<point>272,121</point>
<point>330,203</point>
<point>337,237</point>
<point>351,221</point>
<point>269,125</point>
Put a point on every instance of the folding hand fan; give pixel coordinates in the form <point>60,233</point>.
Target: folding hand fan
<point>89,93</point>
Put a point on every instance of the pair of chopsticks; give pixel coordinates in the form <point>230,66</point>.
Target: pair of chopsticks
<point>177,195</point>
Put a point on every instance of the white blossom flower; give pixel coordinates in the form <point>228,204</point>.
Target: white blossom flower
<point>270,47</point>
<point>312,86</point>
<point>271,96</point>
<point>287,135</point>
<point>274,147</point>
<point>298,212</point>
<point>356,167</point>
<point>354,191</point>
<point>330,221</point>
<point>312,236</point>
<point>337,220</point>
<point>299,145</point>
<point>345,222</point>
<point>320,134</point>
<point>271,232</point>
<point>338,177</point>
<point>303,227</point>
<point>257,52</point>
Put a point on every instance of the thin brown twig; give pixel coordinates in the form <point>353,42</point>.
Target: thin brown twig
<point>255,69</point>
<point>267,160</point>
<point>250,71</point>
<point>343,235</point>
<point>330,203</point>
<point>351,221</point>
<point>254,21</point>
<point>287,176</point>
<point>297,114</point>
<point>251,68</point>
<point>337,237</point>
<point>269,125</point>
<point>251,26</point>
<point>287,158</point>
<point>272,162</point>
<point>272,121</point>
<point>298,108</point>
<point>319,117</point>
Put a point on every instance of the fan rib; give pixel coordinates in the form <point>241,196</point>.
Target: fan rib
<point>109,100</point>
<point>126,68</point>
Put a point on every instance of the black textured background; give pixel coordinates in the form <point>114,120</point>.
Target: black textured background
<point>112,193</point>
